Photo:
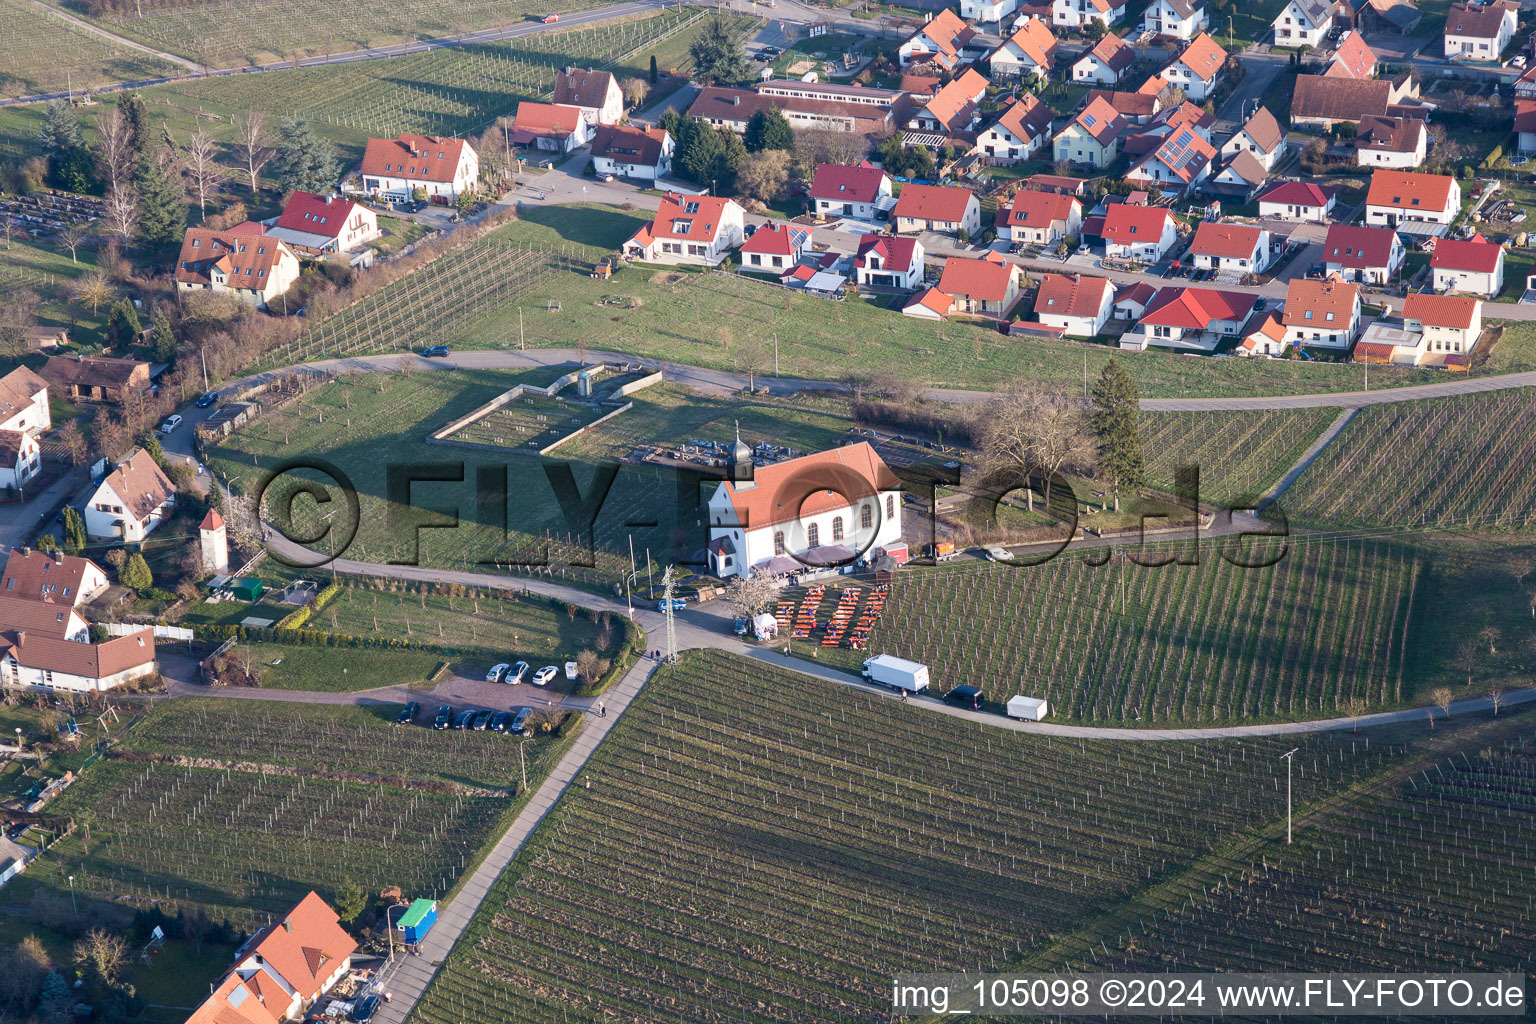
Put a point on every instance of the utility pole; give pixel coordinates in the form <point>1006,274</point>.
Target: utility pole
<point>666,583</point>
<point>1289,756</point>
<point>520,346</point>
<point>204,358</point>
<point>522,761</point>
<point>775,354</point>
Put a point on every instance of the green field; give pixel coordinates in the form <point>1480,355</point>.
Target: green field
<point>40,52</point>
<point>317,795</point>
<point>1240,454</point>
<point>1462,461</point>
<point>283,666</point>
<point>816,868</point>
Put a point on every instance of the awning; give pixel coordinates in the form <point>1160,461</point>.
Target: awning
<point>827,554</point>
<point>778,564</point>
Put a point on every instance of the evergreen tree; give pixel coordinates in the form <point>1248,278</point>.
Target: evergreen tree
<point>151,445</point>
<point>304,160</point>
<point>163,337</point>
<point>123,324</point>
<point>349,901</point>
<point>1116,421</point>
<point>60,135</point>
<point>132,106</point>
<point>712,157</point>
<point>655,75</point>
<point>162,205</point>
<point>74,530</point>
<point>56,1004</point>
<point>769,129</point>
<point>717,58</point>
<point>135,573</point>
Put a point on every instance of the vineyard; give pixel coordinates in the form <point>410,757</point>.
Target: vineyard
<point>314,796</point>
<point>815,867</point>
<point>1135,644</point>
<point>1463,461</point>
<point>1240,454</point>
<point>41,52</point>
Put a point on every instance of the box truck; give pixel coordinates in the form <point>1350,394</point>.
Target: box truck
<point>897,673</point>
<point>1030,709</point>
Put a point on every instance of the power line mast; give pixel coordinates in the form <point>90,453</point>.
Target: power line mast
<point>666,584</point>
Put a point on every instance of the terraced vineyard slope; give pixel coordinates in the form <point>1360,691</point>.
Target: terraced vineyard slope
<point>1240,454</point>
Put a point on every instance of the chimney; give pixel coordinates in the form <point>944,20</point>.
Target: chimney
<point>58,556</point>
<point>736,101</point>
<point>26,552</point>
<point>21,637</point>
<point>287,925</point>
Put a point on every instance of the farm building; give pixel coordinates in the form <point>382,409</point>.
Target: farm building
<point>96,378</point>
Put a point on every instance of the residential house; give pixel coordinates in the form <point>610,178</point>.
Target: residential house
<point>953,108</point>
<point>1367,255</point>
<point>1190,320</point>
<point>595,93</point>
<point>1197,69</point>
<point>643,154</point>
<point>1019,134</point>
<point>689,229</point>
<point>1039,218</point>
<point>241,262</point>
<point>1304,23</point>
<point>1320,101</point>
<point>1181,19</point>
<point>1404,197</point>
<point>1143,233</point>
<point>24,402</point>
<point>1180,162</point>
<point>1092,138</point>
<point>96,378</point>
<point>1321,314</point>
<point>774,247</point>
<point>1241,175</point>
<point>1261,137</point>
<point>939,42</point>
<point>987,11</point>
<point>1525,125</point>
<point>948,211</point>
<point>283,970</point>
<point>928,304</point>
<point>130,501</point>
<point>920,88</point>
<point>989,287</point>
<point>1238,248</point>
<point>889,261</point>
<point>551,126</point>
<point>44,618</point>
<point>1166,124</point>
<point>1399,16</point>
<point>1400,142</point>
<point>1105,64</point>
<point>858,192</point>
<point>1474,266</point>
<point>1078,13</point>
<point>325,225</point>
<point>442,167</point>
<point>1480,31</point>
<point>1132,300</point>
<point>52,577</point>
<point>1079,305</point>
<point>42,659</point>
<point>1352,59</point>
<point>723,107</point>
<point>1450,325</point>
<point>20,461</point>
<point>1298,201</point>
<point>1029,53</point>
<point>1263,336</point>
<point>1136,107</point>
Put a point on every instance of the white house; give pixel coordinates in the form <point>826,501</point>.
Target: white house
<point>1143,233</point>
<point>774,248</point>
<point>443,167</point>
<point>130,501</point>
<point>1480,31</point>
<point>1398,197</point>
<point>629,152</point>
<point>595,93</point>
<point>1321,314</point>
<point>1181,19</point>
<point>889,261</point>
<point>1019,134</point>
<point>987,11</point>
<point>689,229</point>
<point>1105,64</point>
<point>1190,320</point>
<point>20,461</point>
<point>948,211</point>
<point>1079,305</point>
<point>819,510</point>
<point>551,126</point>
<point>1029,53</point>
<point>1298,201</point>
<point>1180,162</point>
<point>1039,218</point>
<point>1400,142</point>
<point>55,578</point>
<point>1239,248</point>
<point>1450,324</point>
<point>241,261</point>
<point>1474,266</point>
<point>1078,13</point>
<point>37,660</point>
<point>858,192</point>
<point>24,402</point>
<point>954,107</point>
<point>1260,136</point>
<point>941,40</point>
<point>988,286</point>
<point>324,225</point>
<point>1304,23</point>
<point>1197,69</point>
<point>1367,255</point>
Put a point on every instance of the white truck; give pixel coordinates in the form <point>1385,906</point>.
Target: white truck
<point>897,673</point>
<point>1030,709</point>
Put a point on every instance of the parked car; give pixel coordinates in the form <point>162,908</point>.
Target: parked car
<point>207,398</point>
<point>1260,305</point>
<point>435,352</point>
<point>364,1009</point>
<point>494,675</point>
<point>741,627</point>
<point>415,206</point>
<point>481,720</point>
<point>444,717</point>
<point>966,696</point>
<point>465,719</point>
<point>570,670</point>
<point>543,676</point>
<point>520,720</point>
<point>678,604</point>
<point>605,177</point>
<point>516,674</point>
<point>408,713</point>
<point>171,423</point>
<point>501,721</point>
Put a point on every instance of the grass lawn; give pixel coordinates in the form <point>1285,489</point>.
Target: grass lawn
<point>595,225</point>
<point>395,233</point>
<point>338,669</point>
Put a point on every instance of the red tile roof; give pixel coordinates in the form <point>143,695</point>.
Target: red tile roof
<point>305,947</point>
<point>945,34</point>
<point>1027,119</point>
<point>1113,53</point>
<point>796,488</point>
<point>1478,21</point>
<point>1453,311</point>
<point>211,521</point>
<point>1525,114</point>
<point>982,279</point>
<point>1358,248</point>
<point>1322,299</point>
<point>1409,190</point>
<point>898,251</point>
<point>93,661</point>
<point>934,203</point>
<point>583,88</point>
<point>28,572</point>
<point>1299,193</point>
<point>1139,292</point>
<point>846,184</point>
<point>701,212</point>
<point>1035,40</point>
<point>1195,308</point>
<point>17,389</point>
<point>1204,57</point>
<point>416,157</point>
<point>778,240</point>
<point>1462,254</point>
<point>627,144</point>
<point>1353,58</point>
<point>1229,241</point>
<point>1072,295</point>
<point>1101,121</point>
<point>141,484</point>
<point>1036,209</point>
<point>1129,104</point>
<point>931,299</point>
<point>954,106</point>
<point>1128,225</point>
<point>246,260</point>
<point>547,119</point>
<point>315,215</point>
<point>1391,134</point>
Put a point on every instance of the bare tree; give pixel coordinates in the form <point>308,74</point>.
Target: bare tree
<point>1490,635</point>
<point>122,211</point>
<point>1355,707</point>
<point>72,238</point>
<point>1440,696</point>
<point>94,290</point>
<point>202,168</point>
<point>1038,432</point>
<point>1496,698</point>
<point>590,666</point>
<point>75,445</point>
<point>819,146</point>
<point>114,147</point>
<point>1520,568</point>
<point>634,90</point>
<point>251,130</point>
<point>103,953</point>
<point>1465,659</point>
<point>752,358</point>
<point>196,926</point>
<point>749,595</point>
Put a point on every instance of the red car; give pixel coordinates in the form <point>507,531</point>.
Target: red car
<point>550,19</point>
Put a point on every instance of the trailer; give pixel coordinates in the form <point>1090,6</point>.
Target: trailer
<point>1030,709</point>
<point>897,673</point>
<point>417,921</point>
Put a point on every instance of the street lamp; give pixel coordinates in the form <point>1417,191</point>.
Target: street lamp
<point>1288,755</point>
<point>72,902</point>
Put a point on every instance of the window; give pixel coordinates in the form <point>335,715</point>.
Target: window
<point>778,542</point>
<point>866,517</point>
<point>837,528</point>
<point>813,535</point>
<point>890,506</point>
